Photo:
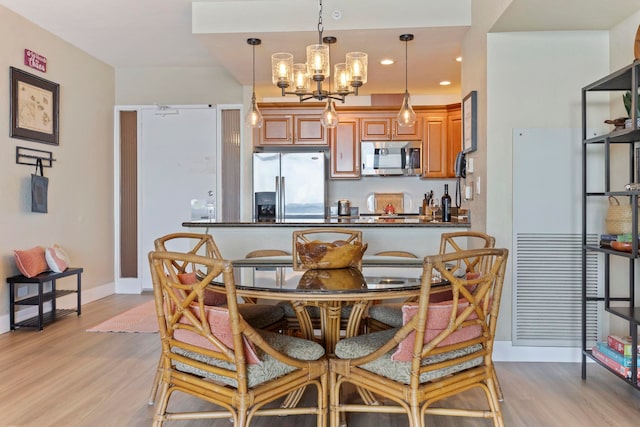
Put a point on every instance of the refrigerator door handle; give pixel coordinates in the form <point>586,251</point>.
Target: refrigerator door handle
<point>282,198</point>
<point>277,178</point>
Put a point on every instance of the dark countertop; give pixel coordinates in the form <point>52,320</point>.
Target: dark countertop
<point>411,221</point>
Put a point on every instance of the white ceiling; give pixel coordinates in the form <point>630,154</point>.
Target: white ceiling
<point>172,33</point>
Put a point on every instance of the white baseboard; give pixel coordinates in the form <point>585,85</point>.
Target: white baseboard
<point>505,351</point>
<point>66,302</point>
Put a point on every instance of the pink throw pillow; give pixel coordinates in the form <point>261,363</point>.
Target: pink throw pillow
<point>210,297</point>
<point>57,259</point>
<point>220,324</point>
<point>31,262</point>
<point>437,320</point>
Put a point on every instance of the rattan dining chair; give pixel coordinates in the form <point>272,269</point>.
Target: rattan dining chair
<point>213,354</point>
<point>389,315</point>
<point>397,373</point>
<point>261,253</point>
<point>262,316</point>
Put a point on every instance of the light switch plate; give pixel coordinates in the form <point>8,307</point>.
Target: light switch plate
<point>478,186</point>
<point>470,165</point>
<point>468,191</point>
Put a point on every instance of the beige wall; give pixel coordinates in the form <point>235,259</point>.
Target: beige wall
<point>80,217</point>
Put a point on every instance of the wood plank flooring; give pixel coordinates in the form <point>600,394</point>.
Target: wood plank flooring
<point>65,376</point>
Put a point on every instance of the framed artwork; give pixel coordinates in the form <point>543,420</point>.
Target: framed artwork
<point>470,122</point>
<point>34,108</point>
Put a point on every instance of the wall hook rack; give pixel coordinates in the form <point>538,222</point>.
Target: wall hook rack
<point>30,156</point>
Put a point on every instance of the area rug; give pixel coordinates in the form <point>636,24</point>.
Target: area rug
<point>141,318</point>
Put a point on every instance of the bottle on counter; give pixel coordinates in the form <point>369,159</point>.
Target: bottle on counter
<point>425,204</point>
<point>445,205</point>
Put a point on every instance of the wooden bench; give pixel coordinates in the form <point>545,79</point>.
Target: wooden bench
<point>50,316</point>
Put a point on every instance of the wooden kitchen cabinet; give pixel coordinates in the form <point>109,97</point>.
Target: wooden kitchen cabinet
<point>434,145</point>
<point>385,128</point>
<point>454,138</point>
<point>291,128</point>
<point>345,148</point>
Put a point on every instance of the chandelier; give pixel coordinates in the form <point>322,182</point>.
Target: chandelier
<point>297,79</point>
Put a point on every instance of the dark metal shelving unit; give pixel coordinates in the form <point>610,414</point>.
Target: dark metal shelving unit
<point>627,78</point>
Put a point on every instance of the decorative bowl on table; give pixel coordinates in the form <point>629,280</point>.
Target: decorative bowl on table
<point>333,279</point>
<point>329,255</point>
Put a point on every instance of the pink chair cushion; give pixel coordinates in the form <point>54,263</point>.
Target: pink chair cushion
<point>210,297</point>
<point>220,324</point>
<point>31,262</point>
<point>437,320</point>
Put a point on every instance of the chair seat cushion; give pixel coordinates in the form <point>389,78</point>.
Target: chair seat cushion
<point>314,312</point>
<point>387,313</point>
<point>270,368</point>
<point>363,345</point>
<point>261,315</point>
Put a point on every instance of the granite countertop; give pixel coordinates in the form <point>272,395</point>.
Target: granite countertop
<point>362,221</point>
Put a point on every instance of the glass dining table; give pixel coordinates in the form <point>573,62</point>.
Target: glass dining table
<point>273,278</point>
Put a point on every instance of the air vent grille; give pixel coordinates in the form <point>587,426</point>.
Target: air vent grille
<point>548,290</point>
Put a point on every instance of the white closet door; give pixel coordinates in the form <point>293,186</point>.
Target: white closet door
<point>177,164</point>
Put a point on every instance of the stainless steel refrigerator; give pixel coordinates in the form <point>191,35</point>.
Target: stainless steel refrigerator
<point>298,182</point>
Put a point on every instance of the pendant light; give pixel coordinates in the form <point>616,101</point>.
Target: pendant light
<point>406,116</point>
<point>254,117</point>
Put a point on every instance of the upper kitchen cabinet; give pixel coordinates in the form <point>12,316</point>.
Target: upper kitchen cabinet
<point>442,140</point>
<point>454,137</point>
<point>384,127</point>
<point>434,145</point>
<point>294,126</point>
<point>345,148</point>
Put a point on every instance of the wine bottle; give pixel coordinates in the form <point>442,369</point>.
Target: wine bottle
<point>445,205</point>
<point>425,205</point>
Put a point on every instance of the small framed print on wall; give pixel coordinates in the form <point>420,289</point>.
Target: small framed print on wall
<point>34,107</point>
<point>470,122</point>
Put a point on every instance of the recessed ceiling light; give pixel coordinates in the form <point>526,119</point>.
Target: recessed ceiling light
<point>459,59</point>
<point>386,62</point>
<point>445,83</point>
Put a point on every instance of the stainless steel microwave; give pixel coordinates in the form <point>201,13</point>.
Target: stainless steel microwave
<point>391,158</point>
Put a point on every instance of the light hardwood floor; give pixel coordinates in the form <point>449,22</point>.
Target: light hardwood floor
<point>65,376</point>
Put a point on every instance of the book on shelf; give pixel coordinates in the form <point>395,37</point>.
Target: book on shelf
<point>623,371</point>
<point>618,357</point>
<point>608,237</point>
<point>621,344</point>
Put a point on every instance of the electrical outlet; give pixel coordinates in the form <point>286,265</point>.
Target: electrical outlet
<point>468,191</point>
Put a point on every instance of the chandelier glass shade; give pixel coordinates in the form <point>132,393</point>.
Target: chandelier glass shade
<point>305,80</point>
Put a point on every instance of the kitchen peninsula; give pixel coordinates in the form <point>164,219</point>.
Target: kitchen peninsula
<point>416,234</point>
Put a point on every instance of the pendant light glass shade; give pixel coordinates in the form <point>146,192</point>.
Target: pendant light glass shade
<point>406,116</point>
<point>329,118</point>
<point>253,118</point>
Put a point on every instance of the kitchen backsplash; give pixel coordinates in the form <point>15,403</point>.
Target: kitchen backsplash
<point>360,191</point>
